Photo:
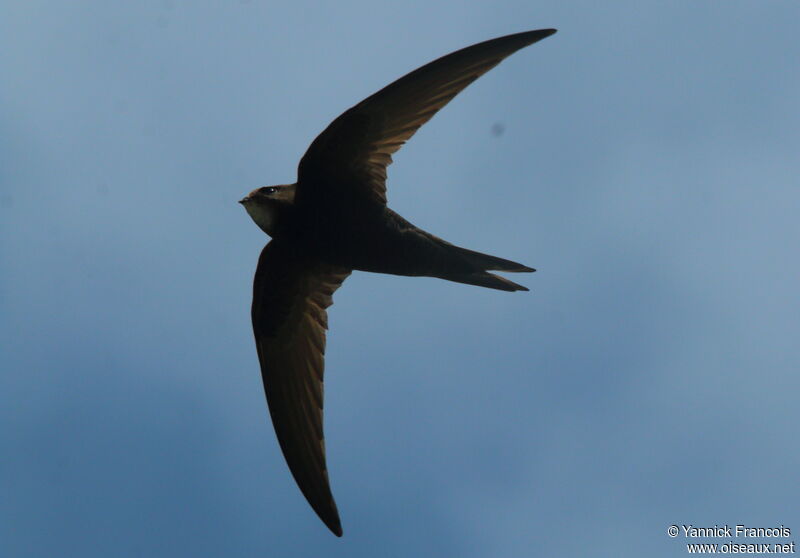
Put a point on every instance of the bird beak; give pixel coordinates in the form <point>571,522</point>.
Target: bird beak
<point>244,200</point>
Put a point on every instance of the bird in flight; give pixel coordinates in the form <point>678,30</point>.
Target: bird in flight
<point>334,220</point>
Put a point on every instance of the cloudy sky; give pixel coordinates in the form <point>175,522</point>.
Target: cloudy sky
<point>644,160</point>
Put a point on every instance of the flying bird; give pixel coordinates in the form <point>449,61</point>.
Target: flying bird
<point>335,220</point>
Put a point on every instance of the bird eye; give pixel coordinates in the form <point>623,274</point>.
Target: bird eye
<point>269,190</point>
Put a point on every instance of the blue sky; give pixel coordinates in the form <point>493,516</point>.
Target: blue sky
<point>648,168</point>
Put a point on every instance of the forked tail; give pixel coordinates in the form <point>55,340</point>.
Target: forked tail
<point>481,264</point>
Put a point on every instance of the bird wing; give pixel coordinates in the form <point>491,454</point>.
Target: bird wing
<point>290,297</point>
<point>355,149</point>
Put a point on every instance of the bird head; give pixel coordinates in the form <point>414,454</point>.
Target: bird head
<point>267,204</point>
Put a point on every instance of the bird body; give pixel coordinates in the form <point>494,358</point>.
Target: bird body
<point>335,220</point>
<point>372,237</point>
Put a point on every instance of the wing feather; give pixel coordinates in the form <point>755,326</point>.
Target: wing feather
<point>355,149</point>
<point>290,298</point>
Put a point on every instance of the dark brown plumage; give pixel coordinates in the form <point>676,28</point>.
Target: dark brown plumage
<point>333,220</point>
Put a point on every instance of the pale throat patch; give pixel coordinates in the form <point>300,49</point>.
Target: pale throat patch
<point>264,216</point>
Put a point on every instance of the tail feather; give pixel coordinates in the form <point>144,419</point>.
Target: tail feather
<point>486,280</point>
<point>490,263</point>
<point>468,266</point>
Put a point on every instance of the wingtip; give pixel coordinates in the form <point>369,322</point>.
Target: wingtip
<point>330,517</point>
<point>335,527</point>
<point>540,34</point>
<point>327,513</point>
